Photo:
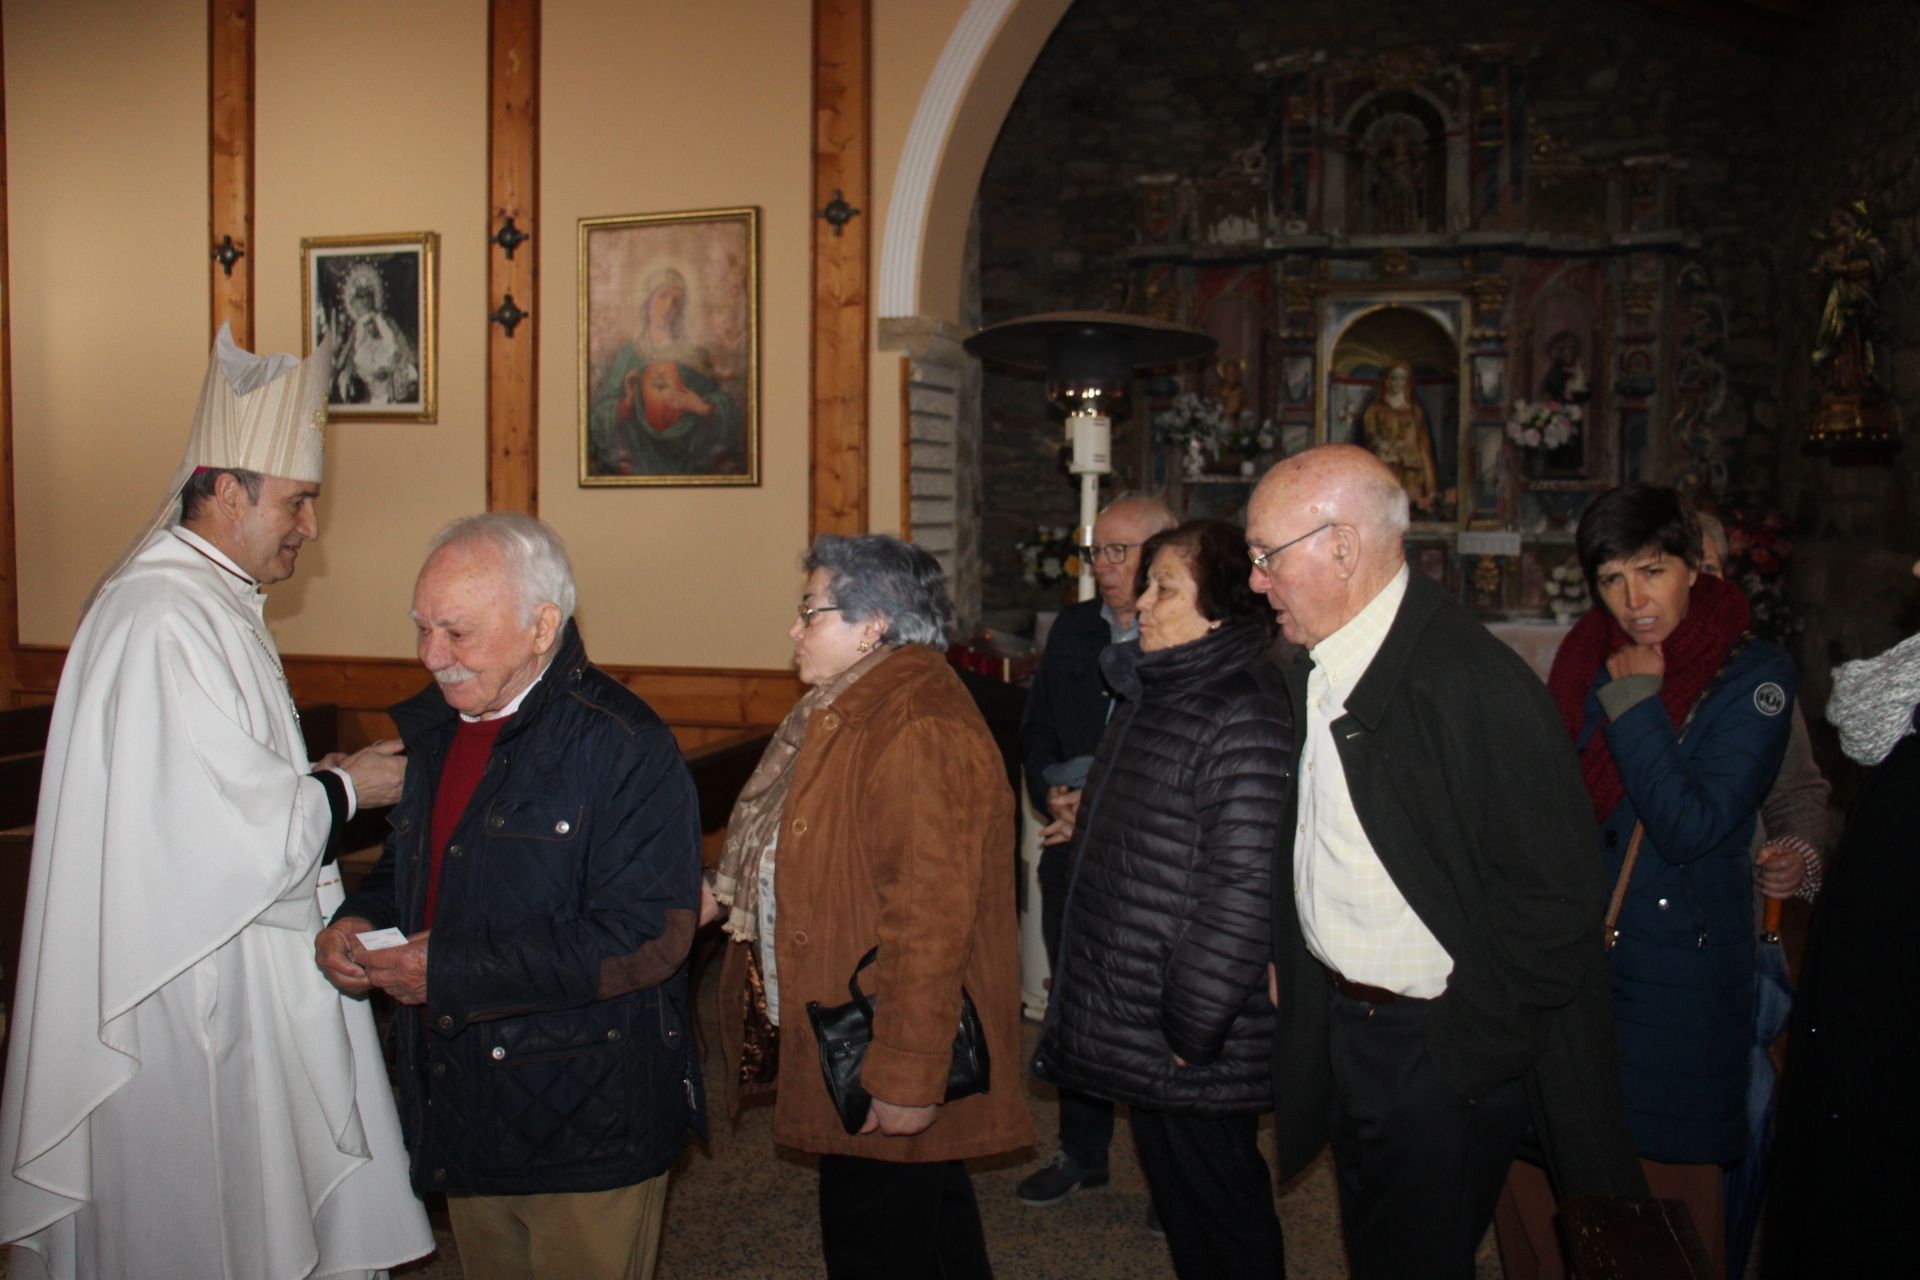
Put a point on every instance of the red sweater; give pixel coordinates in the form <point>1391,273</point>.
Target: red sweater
<point>459,779</point>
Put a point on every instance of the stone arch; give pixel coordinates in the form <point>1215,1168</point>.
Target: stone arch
<point>966,100</point>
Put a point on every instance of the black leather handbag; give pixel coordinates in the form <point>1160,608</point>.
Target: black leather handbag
<point>844,1032</point>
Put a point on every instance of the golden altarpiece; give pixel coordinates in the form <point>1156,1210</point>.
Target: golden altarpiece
<point>1403,260</point>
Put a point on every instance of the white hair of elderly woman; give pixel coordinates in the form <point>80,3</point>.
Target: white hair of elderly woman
<point>532,549</point>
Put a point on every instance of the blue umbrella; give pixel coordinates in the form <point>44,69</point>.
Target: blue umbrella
<point>1746,1182</point>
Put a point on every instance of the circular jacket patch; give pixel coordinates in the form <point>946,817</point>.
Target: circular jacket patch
<point>1770,699</point>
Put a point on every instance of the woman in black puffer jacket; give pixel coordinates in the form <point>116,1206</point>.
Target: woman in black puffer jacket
<point>1160,997</point>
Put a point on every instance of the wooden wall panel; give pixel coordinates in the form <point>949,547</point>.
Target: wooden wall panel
<point>687,698</point>
<point>842,56</point>
<point>230,32</point>
<point>9,568</point>
<point>513,182</point>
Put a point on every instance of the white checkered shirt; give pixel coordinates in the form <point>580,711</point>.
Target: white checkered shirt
<point>1351,913</point>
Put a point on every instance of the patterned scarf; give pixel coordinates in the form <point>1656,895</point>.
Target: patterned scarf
<point>1717,615</point>
<point>756,814</point>
<point>1873,701</point>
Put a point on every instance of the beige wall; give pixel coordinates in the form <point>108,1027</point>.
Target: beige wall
<point>356,135</point>
<point>651,108</point>
<point>107,213</point>
<point>371,117</point>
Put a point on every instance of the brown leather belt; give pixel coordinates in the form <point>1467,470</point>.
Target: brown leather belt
<point>1360,991</point>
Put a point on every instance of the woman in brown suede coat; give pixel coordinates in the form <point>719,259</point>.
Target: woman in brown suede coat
<point>879,816</point>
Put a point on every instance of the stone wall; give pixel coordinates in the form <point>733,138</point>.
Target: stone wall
<point>1127,88</point>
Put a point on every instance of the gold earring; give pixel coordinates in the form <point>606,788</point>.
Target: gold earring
<point>863,646</point>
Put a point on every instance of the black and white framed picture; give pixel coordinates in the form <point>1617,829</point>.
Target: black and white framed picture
<point>374,296</point>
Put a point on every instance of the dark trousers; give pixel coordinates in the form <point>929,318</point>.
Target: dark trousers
<point>1214,1194</point>
<point>1420,1167</point>
<point>883,1220</point>
<point>1086,1122</point>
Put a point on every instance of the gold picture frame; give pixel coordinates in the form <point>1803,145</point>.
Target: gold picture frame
<point>669,374</point>
<point>375,296</point>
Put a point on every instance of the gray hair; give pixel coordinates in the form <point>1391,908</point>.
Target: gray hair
<point>1159,512</point>
<point>199,489</point>
<point>873,573</point>
<point>532,549</point>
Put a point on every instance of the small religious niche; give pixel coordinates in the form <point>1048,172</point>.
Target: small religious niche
<point>1394,387</point>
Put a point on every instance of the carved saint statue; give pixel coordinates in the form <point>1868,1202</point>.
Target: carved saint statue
<point>1852,260</point>
<point>1399,179</point>
<point>1395,429</point>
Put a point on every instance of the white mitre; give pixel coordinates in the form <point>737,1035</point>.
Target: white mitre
<point>257,413</point>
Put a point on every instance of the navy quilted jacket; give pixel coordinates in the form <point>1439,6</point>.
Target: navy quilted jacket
<point>1167,934</point>
<point>1683,968</point>
<point>554,1051</point>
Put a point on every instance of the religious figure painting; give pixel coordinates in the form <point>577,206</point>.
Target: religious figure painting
<point>1394,385</point>
<point>373,295</point>
<point>669,349</point>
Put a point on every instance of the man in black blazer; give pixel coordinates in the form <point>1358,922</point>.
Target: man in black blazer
<point>1438,962</point>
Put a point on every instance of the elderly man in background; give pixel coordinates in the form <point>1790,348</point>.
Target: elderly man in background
<point>1067,712</point>
<point>185,1096</point>
<point>534,907</point>
<point>1795,825</point>
<point>1436,916</point>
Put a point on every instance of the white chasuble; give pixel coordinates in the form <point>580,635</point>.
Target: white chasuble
<point>185,1093</point>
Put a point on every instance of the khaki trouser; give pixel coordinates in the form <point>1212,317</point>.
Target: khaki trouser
<point>582,1235</point>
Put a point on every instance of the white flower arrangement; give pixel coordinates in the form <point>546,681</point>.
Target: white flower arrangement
<point>1206,433</point>
<point>1543,424</point>
<point>1567,590</point>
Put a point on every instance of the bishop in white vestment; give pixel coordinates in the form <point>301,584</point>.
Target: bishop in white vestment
<point>186,1095</point>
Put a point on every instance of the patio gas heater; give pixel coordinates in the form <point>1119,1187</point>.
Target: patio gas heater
<point>1089,358</point>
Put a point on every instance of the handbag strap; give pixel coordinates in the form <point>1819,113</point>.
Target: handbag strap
<point>1609,934</point>
<point>853,983</point>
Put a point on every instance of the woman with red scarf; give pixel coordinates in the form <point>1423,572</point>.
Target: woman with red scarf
<point>1680,720</point>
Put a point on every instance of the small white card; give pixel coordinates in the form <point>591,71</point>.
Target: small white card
<point>381,939</point>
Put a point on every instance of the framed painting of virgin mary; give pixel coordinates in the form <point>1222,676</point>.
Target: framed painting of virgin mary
<point>669,349</point>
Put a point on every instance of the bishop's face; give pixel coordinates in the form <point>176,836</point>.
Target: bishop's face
<point>264,537</point>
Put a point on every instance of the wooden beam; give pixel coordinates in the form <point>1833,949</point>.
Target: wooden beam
<point>513,185</point>
<point>9,570</point>
<point>842,75</point>
<point>685,697</point>
<point>230,31</point>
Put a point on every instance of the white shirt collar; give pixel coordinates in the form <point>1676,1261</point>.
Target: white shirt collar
<point>513,706</point>
<point>214,554</point>
<point>1347,653</point>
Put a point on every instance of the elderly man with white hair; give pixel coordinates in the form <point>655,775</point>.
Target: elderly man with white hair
<point>534,906</point>
<point>1439,974</point>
